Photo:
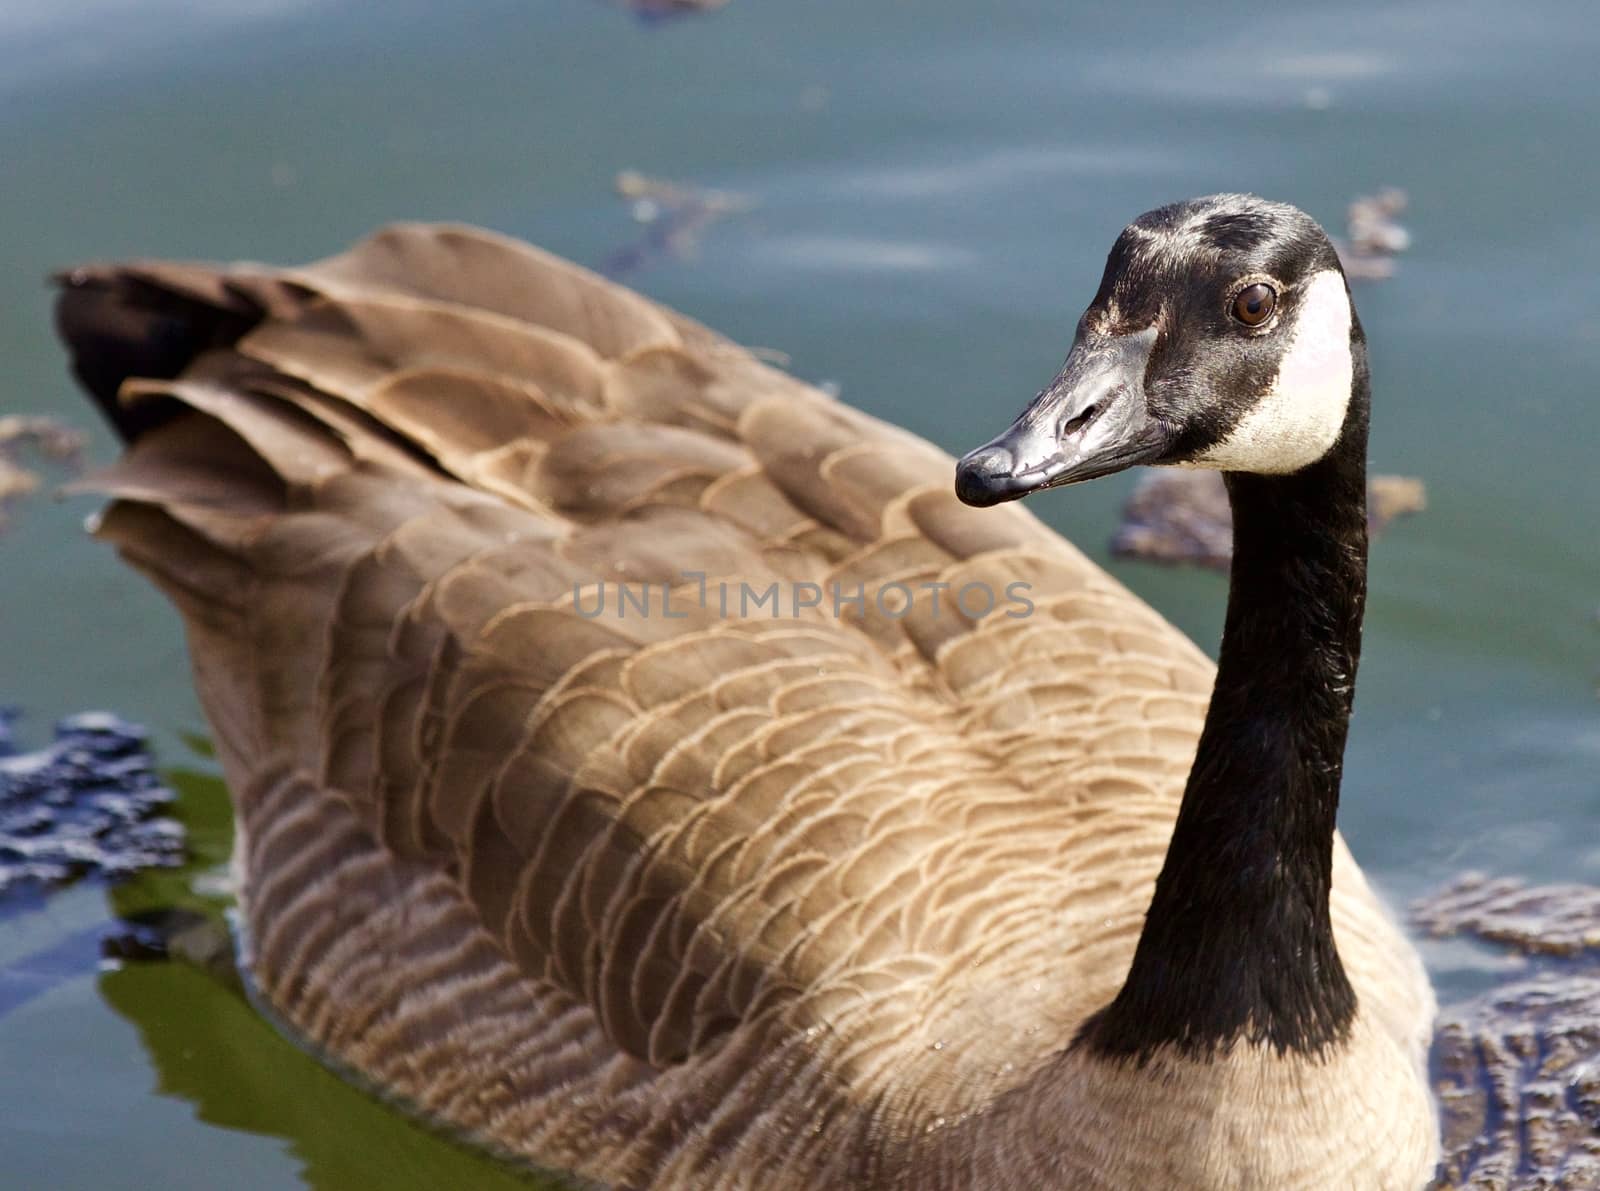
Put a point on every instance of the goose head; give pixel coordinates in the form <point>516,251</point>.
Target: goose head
<point>1222,336</point>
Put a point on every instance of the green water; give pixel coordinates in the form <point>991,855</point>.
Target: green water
<point>937,184</point>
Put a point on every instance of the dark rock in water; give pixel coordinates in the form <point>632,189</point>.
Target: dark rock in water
<point>1537,920</point>
<point>1517,1071</point>
<point>1177,516</point>
<point>1182,516</point>
<point>1517,1074</point>
<point>90,803</point>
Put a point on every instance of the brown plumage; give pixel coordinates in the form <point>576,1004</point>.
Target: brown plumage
<point>695,900</point>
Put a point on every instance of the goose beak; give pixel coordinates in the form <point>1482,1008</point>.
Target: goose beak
<point>1090,421</point>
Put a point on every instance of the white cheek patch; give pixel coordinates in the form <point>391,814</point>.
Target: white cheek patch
<point>1298,419</point>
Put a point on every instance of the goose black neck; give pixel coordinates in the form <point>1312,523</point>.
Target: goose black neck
<point>1238,942</point>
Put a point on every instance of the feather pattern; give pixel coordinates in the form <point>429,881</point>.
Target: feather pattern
<point>661,896</point>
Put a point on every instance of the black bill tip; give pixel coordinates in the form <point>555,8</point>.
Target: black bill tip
<point>988,476</point>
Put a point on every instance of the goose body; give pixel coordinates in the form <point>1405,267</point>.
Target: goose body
<point>670,892</point>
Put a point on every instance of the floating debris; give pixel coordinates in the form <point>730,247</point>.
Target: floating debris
<point>173,933</point>
<point>1182,516</point>
<point>666,10</point>
<point>89,804</point>
<point>1517,1071</point>
<point>674,214</point>
<point>1373,238</point>
<point>1390,497</point>
<point>49,438</point>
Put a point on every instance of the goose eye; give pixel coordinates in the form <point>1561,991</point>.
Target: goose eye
<point>1254,304</point>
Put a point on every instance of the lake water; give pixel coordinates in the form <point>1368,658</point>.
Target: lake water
<point>935,186</point>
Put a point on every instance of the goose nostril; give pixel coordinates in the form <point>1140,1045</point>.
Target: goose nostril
<point>1073,425</point>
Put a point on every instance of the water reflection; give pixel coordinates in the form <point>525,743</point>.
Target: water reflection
<point>209,1047</point>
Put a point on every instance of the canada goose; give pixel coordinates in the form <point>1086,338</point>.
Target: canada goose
<point>827,894</point>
